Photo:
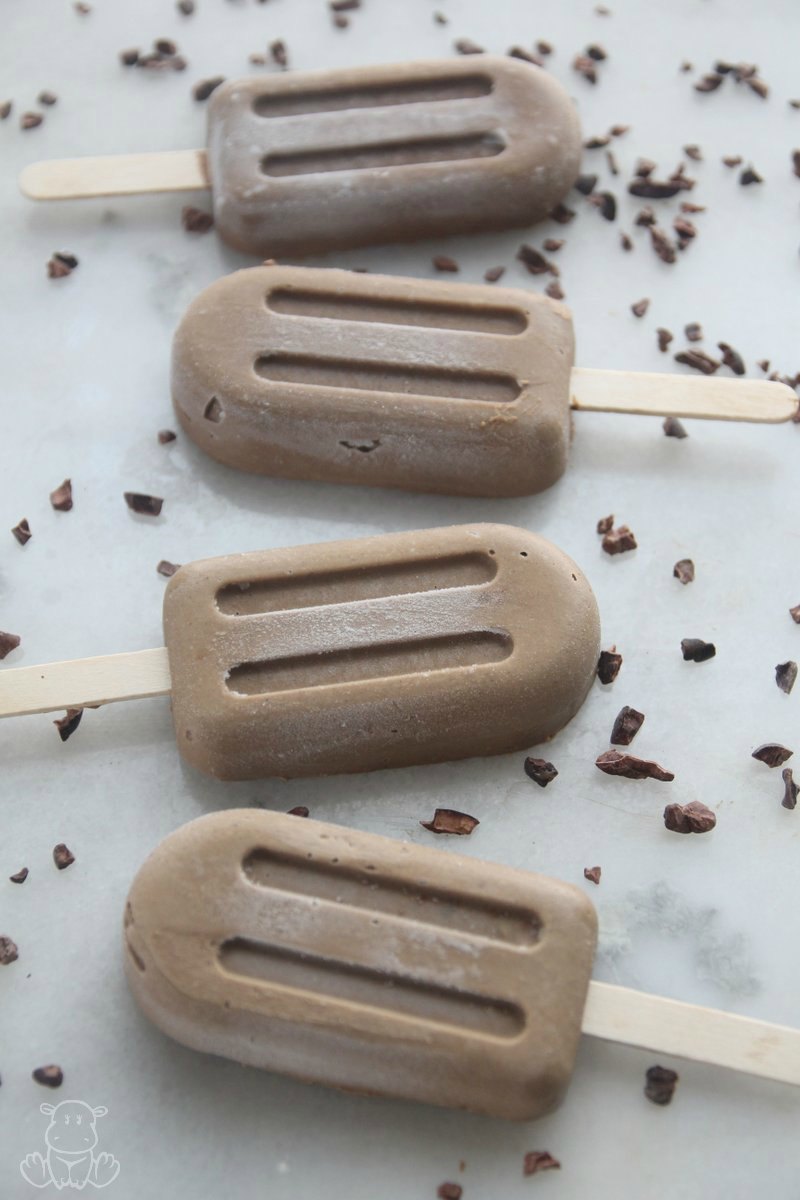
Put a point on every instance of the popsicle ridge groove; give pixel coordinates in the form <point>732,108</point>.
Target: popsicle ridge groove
<point>456,148</point>
<point>362,663</point>
<point>371,987</point>
<point>314,589</point>
<point>312,371</point>
<point>386,310</point>
<point>468,916</point>
<point>376,95</point>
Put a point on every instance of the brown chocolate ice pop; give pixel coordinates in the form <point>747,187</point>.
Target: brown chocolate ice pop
<point>383,967</point>
<point>352,656</point>
<point>311,161</point>
<point>417,384</point>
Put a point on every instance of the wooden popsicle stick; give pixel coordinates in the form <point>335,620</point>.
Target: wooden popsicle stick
<point>706,1035</point>
<point>115,175</point>
<point>84,681</point>
<point>681,396</point>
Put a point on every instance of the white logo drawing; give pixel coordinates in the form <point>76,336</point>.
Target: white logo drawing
<point>70,1160</point>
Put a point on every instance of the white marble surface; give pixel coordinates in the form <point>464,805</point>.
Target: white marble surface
<point>710,919</point>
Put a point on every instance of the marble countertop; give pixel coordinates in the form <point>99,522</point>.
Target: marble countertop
<point>711,919</point>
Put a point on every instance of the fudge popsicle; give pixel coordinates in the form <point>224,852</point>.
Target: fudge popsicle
<point>383,967</point>
<point>351,656</point>
<point>312,161</point>
<point>418,384</point>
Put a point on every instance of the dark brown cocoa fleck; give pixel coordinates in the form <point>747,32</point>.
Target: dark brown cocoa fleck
<point>543,47</point>
<point>698,360</point>
<point>67,724</point>
<point>467,46</point>
<point>50,1076</point>
<point>689,818</point>
<point>492,274</point>
<point>525,56</point>
<point>167,568</point>
<point>662,245</point>
<point>47,98</point>
<point>129,58</point>
<point>5,109</point>
<point>186,7</point>
<point>625,241</point>
<point>673,427</point>
<point>731,358</point>
<point>750,175</point>
<point>709,83</point>
<point>592,874</point>
<point>772,754</point>
<point>644,167</point>
<point>450,820</point>
<point>645,217</point>
<point>29,120</point>
<point>449,1191</point>
<point>561,214</point>
<point>653,189</point>
<point>664,338</point>
<point>694,152</point>
<point>9,951</point>
<point>539,770</point>
<point>786,675</point>
<point>640,307</point>
<point>586,66</point>
<point>539,1160</point>
<point>195,220</point>
<point>165,436</point>
<point>299,810</point>
<point>585,184</point>
<point>19,876</point>
<point>685,230</point>
<point>794,613</point>
<point>732,160</point>
<point>554,290</point>
<point>597,141</point>
<point>611,162</point>
<point>608,665</point>
<point>8,642</point>
<point>627,766</point>
<point>684,570</point>
<point>619,130</point>
<point>693,331</point>
<point>61,498</point>
<point>279,52</point>
<point>618,541</point>
<point>534,260</point>
<point>202,90</point>
<point>22,532</point>
<point>627,724</point>
<point>696,650</point>
<point>551,245</point>
<point>790,789</point>
<point>443,262</point>
<point>606,202</point>
<point>63,856</point>
<point>138,502</point>
<point>605,524</point>
<point>660,1084</point>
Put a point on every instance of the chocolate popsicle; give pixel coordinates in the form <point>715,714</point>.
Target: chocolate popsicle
<point>384,651</point>
<point>360,962</point>
<point>418,384</point>
<point>311,161</point>
<point>378,966</point>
